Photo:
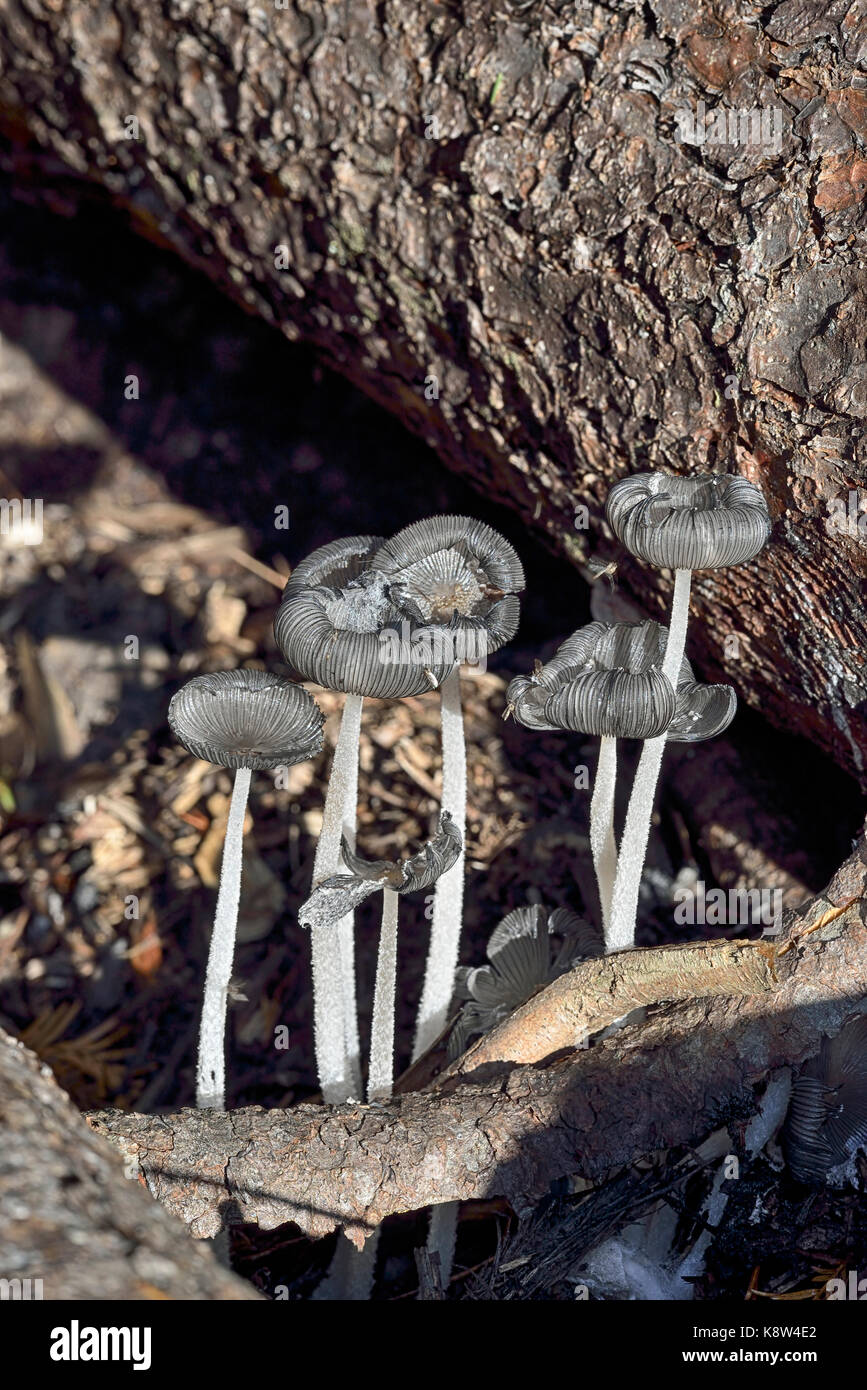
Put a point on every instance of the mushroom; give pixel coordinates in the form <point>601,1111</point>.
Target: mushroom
<point>607,680</point>
<point>827,1117</point>
<point>461,577</point>
<point>519,952</point>
<point>334,897</point>
<point>242,720</point>
<point>337,626</point>
<point>704,522</point>
<point>520,961</point>
<point>350,1276</point>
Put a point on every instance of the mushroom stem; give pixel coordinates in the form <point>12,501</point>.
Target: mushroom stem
<point>442,1237</point>
<point>350,1274</point>
<point>211,1065</point>
<point>381,1074</point>
<point>636,831</point>
<point>442,960</point>
<point>346,925</point>
<point>602,844</point>
<point>335,1025</point>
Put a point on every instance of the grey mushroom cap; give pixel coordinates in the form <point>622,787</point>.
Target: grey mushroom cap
<point>335,565</point>
<point>827,1117</point>
<point>251,719</point>
<point>607,680</point>
<point>706,521</point>
<point>337,626</point>
<point>456,573</point>
<point>340,894</point>
<point>521,961</point>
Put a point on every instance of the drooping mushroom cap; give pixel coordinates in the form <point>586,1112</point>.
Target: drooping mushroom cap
<point>338,626</point>
<point>246,719</point>
<point>606,680</point>
<point>458,574</point>
<point>703,522</point>
<point>340,894</point>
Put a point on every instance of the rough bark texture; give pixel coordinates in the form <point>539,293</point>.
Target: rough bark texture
<point>72,1219</point>
<point>490,1128</point>
<point>493,194</point>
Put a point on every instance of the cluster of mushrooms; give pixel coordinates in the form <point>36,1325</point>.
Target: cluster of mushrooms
<point>393,618</point>
<point>368,617</point>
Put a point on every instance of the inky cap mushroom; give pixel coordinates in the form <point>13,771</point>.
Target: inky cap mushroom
<point>456,573</point>
<point>337,626</point>
<point>521,961</point>
<point>703,522</point>
<point>252,719</point>
<point>827,1117</point>
<point>606,680</point>
<point>334,897</point>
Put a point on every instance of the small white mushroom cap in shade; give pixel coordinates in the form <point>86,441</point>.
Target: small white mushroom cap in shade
<point>246,719</point>
<point>522,957</point>
<point>706,521</point>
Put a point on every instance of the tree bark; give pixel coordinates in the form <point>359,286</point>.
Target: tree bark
<point>72,1219</point>
<point>485,216</point>
<point>487,1127</point>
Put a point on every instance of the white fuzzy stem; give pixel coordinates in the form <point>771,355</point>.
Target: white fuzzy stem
<point>636,831</point>
<point>211,1066</point>
<point>346,925</point>
<point>445,939</point>
<point>350,1274</point>
<point>442,1236</point>
<point>602,844</point>
<point>381,1075</point>
<point>332,947</point>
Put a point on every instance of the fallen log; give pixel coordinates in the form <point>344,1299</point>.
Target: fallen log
<point>488,1127</point>
<point>75,1224</point>
<point>544,236</point>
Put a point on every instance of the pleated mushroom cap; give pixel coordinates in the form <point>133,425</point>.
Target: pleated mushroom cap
<point>458,574</point>
<point>337,626</point>
<point>334,897</point>
<point>702,522</point>
<point>827,1117</point>
<point>520,954</point>
<point>248,719</point>
<point>606,680</point>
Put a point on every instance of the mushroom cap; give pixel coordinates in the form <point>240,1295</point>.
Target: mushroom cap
<point>458,574</point>
<point>419,871</point>
<point>827,1117</point>
<point>702,522</point>
<point>333,565</point>
<point>340,894</point>
<point>337,626</point>
<point>249,719</point>
<point>606,680</point>
<point>519,952</point>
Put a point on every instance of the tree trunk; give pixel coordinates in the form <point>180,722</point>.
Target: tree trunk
<point>501,220</point>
